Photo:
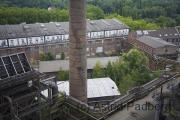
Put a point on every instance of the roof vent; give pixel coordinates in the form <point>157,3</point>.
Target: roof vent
<point>159,34</point>
<point>26,27</point>
<point>57,24</point>
<point>42,25</point>
<point>92,23</point>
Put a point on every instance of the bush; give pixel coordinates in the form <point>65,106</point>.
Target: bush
<point>46,57</point>
<point>62,56</point>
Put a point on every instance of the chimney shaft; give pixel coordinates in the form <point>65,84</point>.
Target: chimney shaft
<point>77,50</point>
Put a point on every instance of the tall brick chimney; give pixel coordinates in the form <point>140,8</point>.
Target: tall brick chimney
<point>77,50</point>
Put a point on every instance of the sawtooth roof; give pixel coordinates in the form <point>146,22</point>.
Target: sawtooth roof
<point>54,28</point>
<point>161,33</point>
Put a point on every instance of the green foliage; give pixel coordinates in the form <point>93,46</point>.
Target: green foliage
<point>135,24</point>
<point>134,59</point>
<point>62,56</point>
<point>109,70</point>
<point>126,84</point>
<point>97,70</point>
<point>35,3</point>
<point>46,57</point>
<point>63,75</point>
<point>128,71</point>
<point>157,73</point>
<point>148,10</point>
<point>175,67</point>
<point>94,12</point>
<point>118,71</point>
<point>15,15</point>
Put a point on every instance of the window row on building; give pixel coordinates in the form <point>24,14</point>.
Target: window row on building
<point>58,38</point>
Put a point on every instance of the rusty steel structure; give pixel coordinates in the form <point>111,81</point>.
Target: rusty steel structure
<point>22,98</point>
<point>77,49</point>
<point>21,90</point>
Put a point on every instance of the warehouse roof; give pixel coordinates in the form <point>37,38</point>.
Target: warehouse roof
<point>54,28</point>
<point>97,87</point>
<point>54,66</point>
<point>153,42</point>
<point>162,33</point>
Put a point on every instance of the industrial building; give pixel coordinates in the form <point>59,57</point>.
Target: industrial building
<point>164,41</point>
<point>51,68</point>
<point>155,43</point>
<point>102,36</point>
<point>99,90</point>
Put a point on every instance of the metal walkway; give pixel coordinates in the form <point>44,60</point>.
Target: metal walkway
<point>107,110</point>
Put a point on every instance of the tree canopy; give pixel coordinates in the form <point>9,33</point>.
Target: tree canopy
<point>163,13</point>
<point>128,71</point>
<point>46,56</point>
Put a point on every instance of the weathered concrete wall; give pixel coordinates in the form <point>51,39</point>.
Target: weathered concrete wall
<point>77,50</point>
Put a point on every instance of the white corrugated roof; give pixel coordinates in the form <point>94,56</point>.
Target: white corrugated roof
<point>97,87</point>
<point>54,66</point>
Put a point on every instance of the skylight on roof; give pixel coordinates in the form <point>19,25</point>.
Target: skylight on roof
<point>175,34</point>
<point>117,21</point>
<point>92,23</point>
<point>45,29</point>
<point>145,32</point>
<point>57,24</point>
<point>42,25</point>
<point>165,35</point>
<point>26,27</point>
<point>139,32</point>
<point>105,22</point>
<point>60,28</point>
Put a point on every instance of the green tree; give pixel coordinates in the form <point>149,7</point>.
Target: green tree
<point>49,56</point>
<point>135,24</point>
<point>62,56</point>
<point>46,57</point>
<point>157,73</point>
<point>97,70</point>
<point>94,12</point>
<point>175,67</point>
<point>125,84</point>
<point>63,75</point>
<point>134,59</point>
<point>134,64</point>
<point>118,71</point>
<point>109,70</point>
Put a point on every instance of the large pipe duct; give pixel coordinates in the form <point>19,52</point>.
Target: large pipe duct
<point>77,45</point>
